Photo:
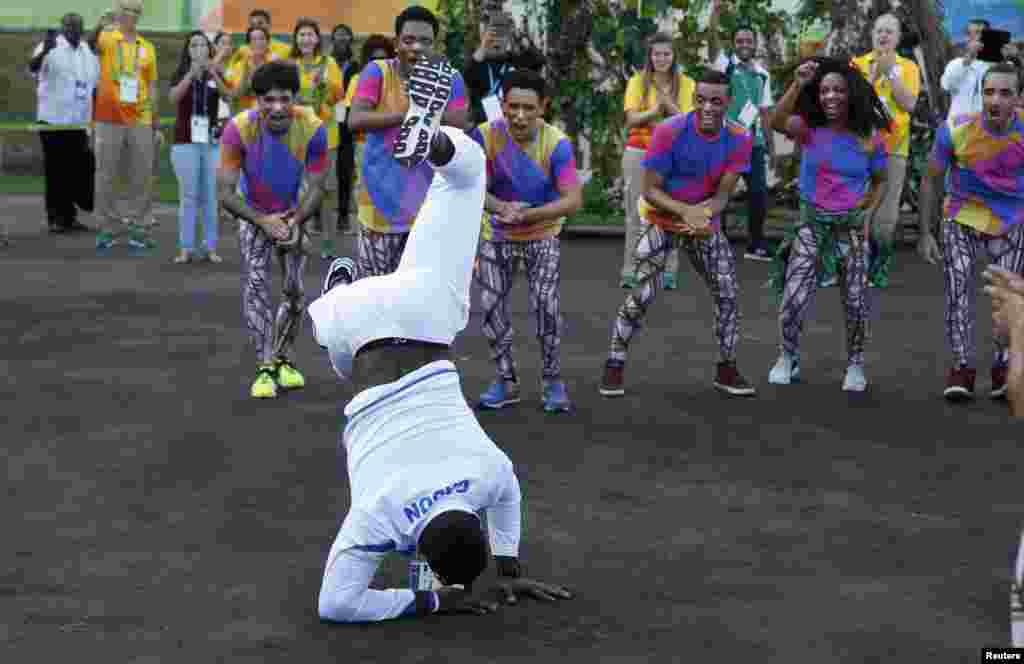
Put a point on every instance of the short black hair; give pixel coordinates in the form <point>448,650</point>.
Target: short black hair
<point>525,79</point>
<point>260,12</point>
<point>455,547</point>
<point>980,21</point>
<point>1003,68</point>
<point>417,14</point>
<point>276,75</point>
<point>713,77</point>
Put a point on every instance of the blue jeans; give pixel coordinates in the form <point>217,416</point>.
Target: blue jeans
<point>195,166</point>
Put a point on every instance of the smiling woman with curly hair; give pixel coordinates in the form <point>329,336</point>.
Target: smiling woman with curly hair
<point>833,113</point>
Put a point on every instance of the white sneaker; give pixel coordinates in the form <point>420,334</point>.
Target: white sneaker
<point>855,380</point>
<point>430,87</point>
<point>785,371</point>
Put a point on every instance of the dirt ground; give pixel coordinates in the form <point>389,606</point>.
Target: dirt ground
<point>154,513</point>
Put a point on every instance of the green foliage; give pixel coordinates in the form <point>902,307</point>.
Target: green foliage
<point>455,19</point>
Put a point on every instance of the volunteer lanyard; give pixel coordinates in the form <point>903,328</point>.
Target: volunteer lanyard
<point>199,96</point>
<point>120,60</point>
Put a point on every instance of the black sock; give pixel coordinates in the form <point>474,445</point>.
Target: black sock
<point>442,150</point>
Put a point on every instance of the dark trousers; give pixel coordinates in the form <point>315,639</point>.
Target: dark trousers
<point>757,194</point>
<point>346,173</point>
<point>70,169</point>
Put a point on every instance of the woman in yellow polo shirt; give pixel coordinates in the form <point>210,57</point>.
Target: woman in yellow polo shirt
<point>239,74</point>
<point>657,92</point>
<point>320,80</point>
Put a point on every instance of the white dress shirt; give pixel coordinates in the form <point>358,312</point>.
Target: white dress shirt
<point>963,83</point>
<point>66,82</point>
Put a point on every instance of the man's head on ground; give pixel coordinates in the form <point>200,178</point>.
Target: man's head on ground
<point>1000,93</point>
<point>710,101</point>
<point>744,43</point>
<point>128,14</point>
<point>259,18</point>
<point>455,547</point>
<point>416,31</point>
<point>306,38</point>
<point>276,85</point>
<point>524,101</point>
<point>497,36</point>
<point>71,26</point>
<point>885,36</point>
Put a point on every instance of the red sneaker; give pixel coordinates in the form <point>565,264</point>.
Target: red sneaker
<point>728,379</point>
<point>611,382</point>
<point>998,383</point>
<point>960,384</point>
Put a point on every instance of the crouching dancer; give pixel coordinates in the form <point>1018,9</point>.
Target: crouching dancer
<point>420,467</point>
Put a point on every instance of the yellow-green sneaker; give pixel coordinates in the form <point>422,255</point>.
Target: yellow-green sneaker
<point>288,377</point>
<point>264,387</point>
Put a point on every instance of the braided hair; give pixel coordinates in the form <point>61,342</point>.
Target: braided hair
<point>866,111</point>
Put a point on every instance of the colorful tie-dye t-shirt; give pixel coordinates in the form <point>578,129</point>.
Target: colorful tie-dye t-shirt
<point>272,166</point>
<point>536,175</point>
<point>692,164</point>
<point>986,184</point>
<point>393,194</point>
<point>836,166</point>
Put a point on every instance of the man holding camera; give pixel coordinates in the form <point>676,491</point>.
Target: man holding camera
<point>492,61</point>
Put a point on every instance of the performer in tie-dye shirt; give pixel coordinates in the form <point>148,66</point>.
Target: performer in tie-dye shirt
<point>843,164</point>
<point>532,184</point>
<point>984,153</point>
<point>270,150</point>
<point>392,194</point>
<point>690,170</point>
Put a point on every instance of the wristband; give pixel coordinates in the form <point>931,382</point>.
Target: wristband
<point>427,602</point>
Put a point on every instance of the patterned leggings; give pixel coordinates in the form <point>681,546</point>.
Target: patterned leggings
<point>272,336</point>
<point>712,259</point>
<point>543,272</point>
<point>802,281</point>
<point>378,254</point>
<point>960,245</point>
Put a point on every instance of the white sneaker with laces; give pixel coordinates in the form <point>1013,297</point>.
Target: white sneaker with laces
<point>430,87</point>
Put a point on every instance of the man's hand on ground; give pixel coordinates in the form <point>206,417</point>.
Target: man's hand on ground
<point>510,590</point>
<point>455,600</point>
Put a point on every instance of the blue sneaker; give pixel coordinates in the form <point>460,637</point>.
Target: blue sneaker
<point>501,393</point>
<point>340,271</point>
<point>670,281</point>
<point>556,398</point>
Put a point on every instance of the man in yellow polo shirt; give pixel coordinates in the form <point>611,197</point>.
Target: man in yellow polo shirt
<point>897,80</point>
<point>126,125</point>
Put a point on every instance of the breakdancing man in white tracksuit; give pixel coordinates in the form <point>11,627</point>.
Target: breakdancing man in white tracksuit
<point>420,467</point>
